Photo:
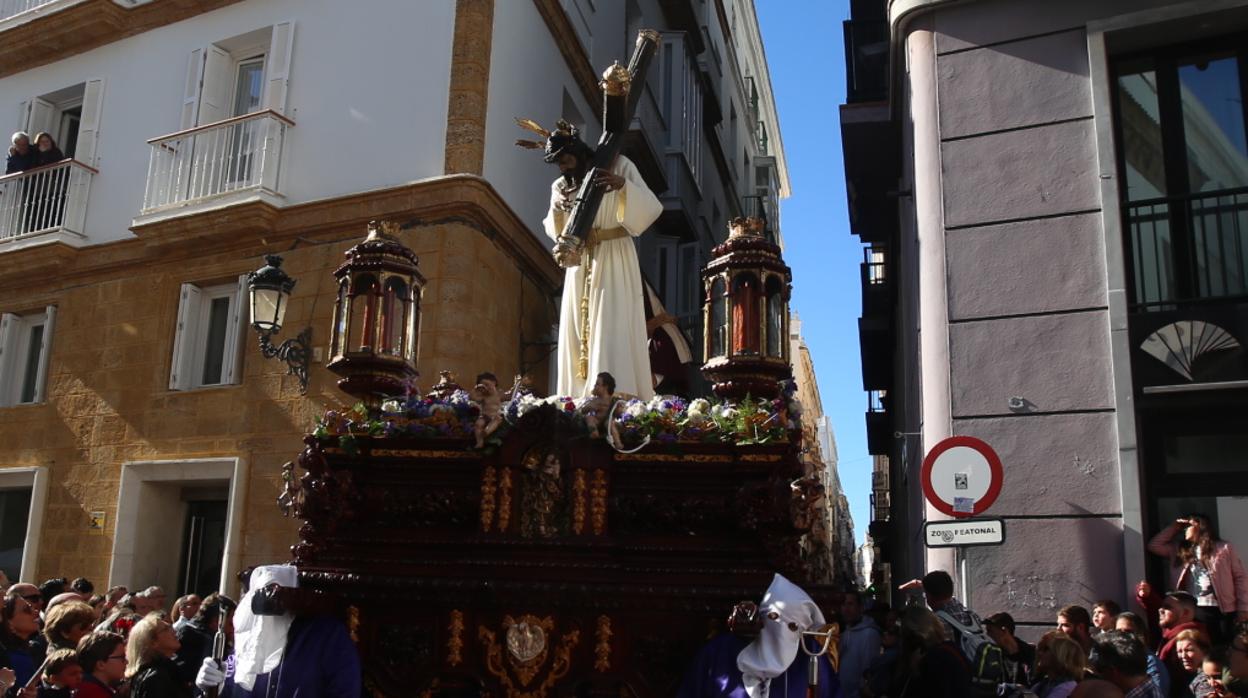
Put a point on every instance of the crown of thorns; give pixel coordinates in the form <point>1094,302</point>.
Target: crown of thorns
<point>558,141</point>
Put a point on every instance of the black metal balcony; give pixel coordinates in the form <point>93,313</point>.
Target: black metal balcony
<point>879,424</point>
<point>871,148</point>
<point>877,283</point>
<point>866,60</point>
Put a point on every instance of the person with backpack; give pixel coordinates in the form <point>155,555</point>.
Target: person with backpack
<point>966,630</point>
<point>931,665</point>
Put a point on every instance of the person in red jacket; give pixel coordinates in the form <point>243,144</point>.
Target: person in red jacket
<point>1207,568</point>
<point>103,658</point>
<point>1178,613</point>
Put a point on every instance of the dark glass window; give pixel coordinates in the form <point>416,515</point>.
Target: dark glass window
<point>1183,157</point>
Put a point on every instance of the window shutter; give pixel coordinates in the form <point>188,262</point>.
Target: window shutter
<point>39,117</point>
<point>41,378</point>
<point>89,124</point>
<point>278,64</point>
<point>184,337</point>
<point>190,94</point>
<point>214,104</point>
<point>8,338</point>
<point>231,363</point>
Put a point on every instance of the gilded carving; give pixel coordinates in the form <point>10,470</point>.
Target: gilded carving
<point>455,643</point>
<point>504,500</point>
<point>598,502</point>
<point>602,649</point>
<point>669,458</point>
<point>578,501</point>
<point>541,495</point>
<point>521,655</point>
<point>760,458</point>
<point>489,485</point>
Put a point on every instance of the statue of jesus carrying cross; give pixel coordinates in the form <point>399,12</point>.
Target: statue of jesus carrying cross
<point>598,205</point>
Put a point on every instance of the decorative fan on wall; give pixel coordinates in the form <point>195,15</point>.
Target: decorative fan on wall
<point>1179,344</point>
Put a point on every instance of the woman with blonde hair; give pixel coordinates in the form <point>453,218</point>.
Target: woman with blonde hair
<point>149,660</point>
<point>1062,663</point>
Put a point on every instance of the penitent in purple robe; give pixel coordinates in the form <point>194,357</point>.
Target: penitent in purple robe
<point>320,661</point>
<point>714,674</point>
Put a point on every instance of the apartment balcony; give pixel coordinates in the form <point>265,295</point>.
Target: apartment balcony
<point>45,204</point>
<point>1189,286</point>
<point>227,173</point>
<point>879,424</point>
<point>871,149</point>
<point>866,60</point>
<point>38,32</point>
<point>877,283</point>
<point>879,481</point>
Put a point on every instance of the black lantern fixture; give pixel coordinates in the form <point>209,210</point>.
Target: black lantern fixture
<point>746,314</point>
<point>376,317</point>
<point>269,288</point>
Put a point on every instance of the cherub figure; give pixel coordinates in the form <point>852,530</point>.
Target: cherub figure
<point>598,409</point>
<point>488,399</point>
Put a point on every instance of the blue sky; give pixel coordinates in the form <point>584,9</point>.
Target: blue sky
<point>806,56</point>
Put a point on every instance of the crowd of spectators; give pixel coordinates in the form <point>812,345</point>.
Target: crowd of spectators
<point>1189,642</point>
<point>61,639</point>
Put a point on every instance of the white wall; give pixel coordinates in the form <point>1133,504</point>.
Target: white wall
<point>528,77</point>
<point>368,91</point>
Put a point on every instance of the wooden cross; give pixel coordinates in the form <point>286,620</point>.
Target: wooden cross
<point>619,105</point>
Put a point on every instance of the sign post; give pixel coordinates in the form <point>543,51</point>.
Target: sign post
<point>962,476</point>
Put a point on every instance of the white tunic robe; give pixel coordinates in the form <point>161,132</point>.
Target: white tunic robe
<point>617,319</point>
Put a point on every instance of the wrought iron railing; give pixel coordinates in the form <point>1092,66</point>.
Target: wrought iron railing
<point>9,8</point>
<point>238,154</point>
<point>45,200</point>
<point>1188,248</point>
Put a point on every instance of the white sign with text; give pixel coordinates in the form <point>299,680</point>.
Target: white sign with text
<point>950,534</point>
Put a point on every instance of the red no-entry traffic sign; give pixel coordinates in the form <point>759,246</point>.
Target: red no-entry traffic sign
<point>962,476</point>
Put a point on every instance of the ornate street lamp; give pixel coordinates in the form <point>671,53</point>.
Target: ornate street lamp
<point>376,317</point>
<point>746,314</point>
<point>269,288</point>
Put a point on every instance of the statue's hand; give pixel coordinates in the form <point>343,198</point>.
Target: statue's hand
<point>567,255</point>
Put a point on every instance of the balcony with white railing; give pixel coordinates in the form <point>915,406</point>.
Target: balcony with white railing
<point>237,159</point>
<point>44,204</point>
<point>12,8</point>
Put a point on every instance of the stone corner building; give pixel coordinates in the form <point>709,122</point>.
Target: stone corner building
<point>1055,199</point>
<point>142,433</point>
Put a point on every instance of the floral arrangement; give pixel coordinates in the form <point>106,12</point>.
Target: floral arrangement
<point>664,419</point>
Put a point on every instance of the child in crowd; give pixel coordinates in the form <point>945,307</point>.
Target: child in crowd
<point>62,674</point>
<point>1208,681</point>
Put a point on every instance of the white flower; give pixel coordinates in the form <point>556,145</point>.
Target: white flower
<point>698,408</point>
<point>726,411</point>
<point>392,406</point>
<point>635,408</point>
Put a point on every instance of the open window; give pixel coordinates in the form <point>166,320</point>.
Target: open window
<point>207,345</point>
<point>25,342</point>
<point>238,76</point>
<point>70,115</point>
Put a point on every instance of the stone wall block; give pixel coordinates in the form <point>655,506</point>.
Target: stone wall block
<point>1041,171</point>
<point>1045,564</point>
<point>1054,464</point>
<point>1011,85</point>
<point>1051,363</point>
<point>1028,267</point>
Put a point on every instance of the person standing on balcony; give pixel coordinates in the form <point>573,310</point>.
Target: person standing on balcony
<point>50,184</point>
<point>21,155</point>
